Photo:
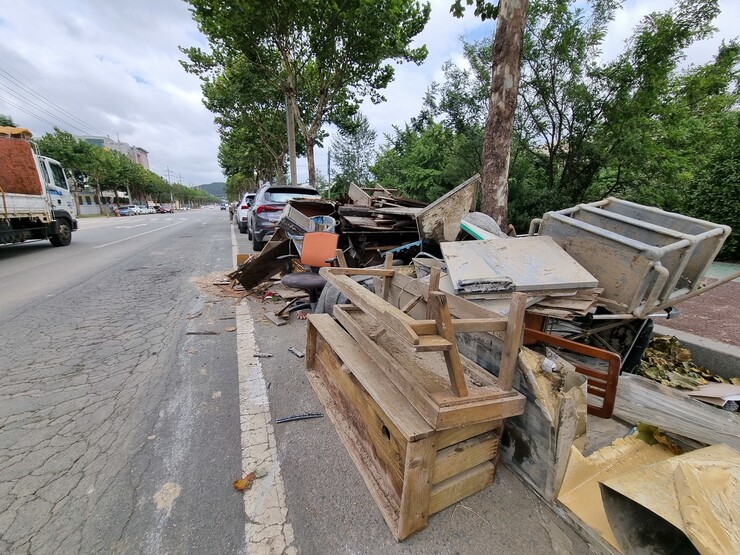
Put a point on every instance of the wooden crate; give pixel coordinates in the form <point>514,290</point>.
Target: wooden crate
<point>411,468</point>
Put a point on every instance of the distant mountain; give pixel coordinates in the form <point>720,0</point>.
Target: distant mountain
<point>217,188</point>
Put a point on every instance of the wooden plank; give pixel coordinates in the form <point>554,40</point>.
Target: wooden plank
<point>434,276</point>
<point>480,411</point>
<point>384,496</point>
<point>523,264</point>
<point>642,400</point>
<point>411,304</point>
<point>417,486</point>
<point>358,196</point>
<point>386,283</point>
<point>459,307</point>
<point>391,316</point>
<point>411,425</point>
<point>382,272</point>
<point>341,260</point>
<point>461,486</point>
<point>272,317</point>
<point>513,340</point>
<point>452,356</point>
<point>398,375</point>
<point>242,257</point>
<point>480,324</point>
<point>462,456</point>
<point>445,438</point>
<point>441,219</point>
<point>430,343</point>
<point>266,264</point>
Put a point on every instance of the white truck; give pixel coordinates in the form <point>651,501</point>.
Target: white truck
<point>35,199</point>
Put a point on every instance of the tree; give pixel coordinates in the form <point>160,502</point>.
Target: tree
<point>353,152</point>
<point>6,121</point>
<point>511,17</point>
<point>324,57</point>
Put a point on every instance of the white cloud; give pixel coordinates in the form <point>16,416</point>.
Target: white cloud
<point>115,65</point>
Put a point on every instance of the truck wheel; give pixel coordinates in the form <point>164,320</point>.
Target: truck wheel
<point>64,237</point>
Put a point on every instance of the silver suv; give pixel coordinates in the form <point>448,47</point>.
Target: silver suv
<point>266,208</point>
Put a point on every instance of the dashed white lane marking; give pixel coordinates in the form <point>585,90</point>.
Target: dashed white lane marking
<point>134,236</point>
<point>266,529</point>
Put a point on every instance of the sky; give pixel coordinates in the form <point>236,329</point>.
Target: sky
<point>101,67</point>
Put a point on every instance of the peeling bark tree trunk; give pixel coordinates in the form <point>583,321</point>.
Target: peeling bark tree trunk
<point>507,51</point>
<point>310,142</point>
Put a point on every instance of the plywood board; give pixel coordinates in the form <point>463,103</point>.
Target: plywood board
<point>524,264</point>
<point>440,220</point>
<point>643,400</point>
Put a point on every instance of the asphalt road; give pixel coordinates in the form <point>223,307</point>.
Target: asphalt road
<point>119,417</point>
<point>128,405</point>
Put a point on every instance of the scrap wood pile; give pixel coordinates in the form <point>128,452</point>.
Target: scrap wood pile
<point>368,226</point>
<point>421,422</point>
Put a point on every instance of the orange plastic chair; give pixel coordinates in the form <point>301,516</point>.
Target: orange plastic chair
<point>319,249</point>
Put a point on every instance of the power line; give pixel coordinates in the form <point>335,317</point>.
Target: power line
<point>22,109</point>
<point>8,76</point>
<point>30,103</point>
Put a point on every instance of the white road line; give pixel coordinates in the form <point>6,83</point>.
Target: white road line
<point>134,236</point>
<point>266,530</point>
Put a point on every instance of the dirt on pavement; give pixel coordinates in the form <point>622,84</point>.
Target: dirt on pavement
<point>714,314</point>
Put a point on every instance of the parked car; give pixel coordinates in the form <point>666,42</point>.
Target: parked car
<point>242,207</point>
<point>126,211</point>
<point>269,202</point>
<point>166,209</point>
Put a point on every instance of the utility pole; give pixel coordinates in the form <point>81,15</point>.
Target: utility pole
<point>291,142</point>
<point>169,182</point>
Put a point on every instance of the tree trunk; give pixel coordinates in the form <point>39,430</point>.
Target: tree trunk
<point>310,142</point>
<point>507,51</point>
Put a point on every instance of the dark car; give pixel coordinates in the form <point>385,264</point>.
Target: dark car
<point>166,209</point>
<point>265,211</point>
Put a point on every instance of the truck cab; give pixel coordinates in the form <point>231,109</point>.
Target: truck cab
<point>36,199</point>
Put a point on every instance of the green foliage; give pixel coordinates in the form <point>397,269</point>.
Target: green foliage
<point>637,127</point>
<point>716,190</point>
<point>101,168</point>
<point>322,56</point>
<point>6,121</point>
<point>352,153</point>
<point>483,9</point>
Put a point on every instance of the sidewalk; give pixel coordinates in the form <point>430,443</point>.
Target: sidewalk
<point>714,315</point>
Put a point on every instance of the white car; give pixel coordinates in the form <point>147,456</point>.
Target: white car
<point>242,209</point>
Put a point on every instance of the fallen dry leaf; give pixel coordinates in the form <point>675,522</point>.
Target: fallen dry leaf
<point>245,483</point>
<point>230,328</point>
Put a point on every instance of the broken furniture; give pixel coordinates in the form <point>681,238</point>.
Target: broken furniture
<point>318,250</point>
<point>501,265</point>
<point>421,422</point>
<point>646,259</point>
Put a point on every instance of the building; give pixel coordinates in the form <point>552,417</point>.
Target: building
<point>134,153</point>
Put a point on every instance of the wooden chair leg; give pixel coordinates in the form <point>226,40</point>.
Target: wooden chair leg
<point>441,314</point>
